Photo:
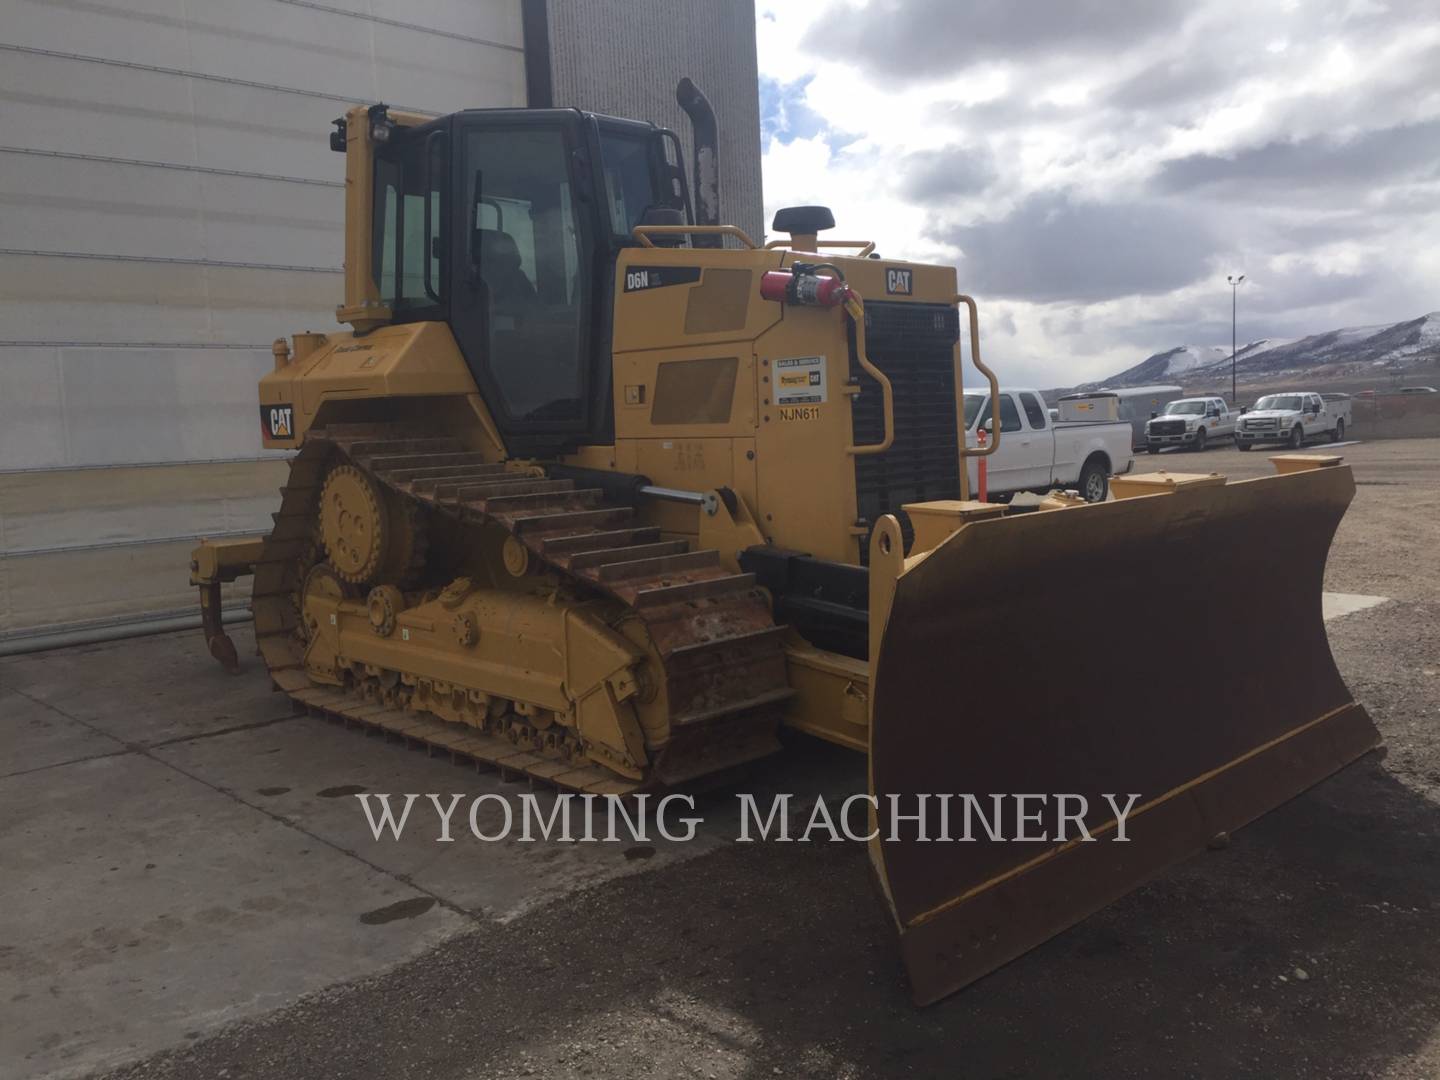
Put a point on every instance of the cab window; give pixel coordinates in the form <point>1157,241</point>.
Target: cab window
<point>1009,415</point>
<point>409,188</point>
<point>1034,411</point>
<point>629,180</point>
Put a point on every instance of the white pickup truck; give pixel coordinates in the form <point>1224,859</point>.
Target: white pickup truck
<point>1293,419</point>
<point>1189,422</point>
<point>1039,454</point>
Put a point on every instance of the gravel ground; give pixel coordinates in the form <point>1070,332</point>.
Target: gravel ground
<point>1309,947</point>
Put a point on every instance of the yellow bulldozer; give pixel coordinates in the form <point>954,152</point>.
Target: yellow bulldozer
<point>600,491</point>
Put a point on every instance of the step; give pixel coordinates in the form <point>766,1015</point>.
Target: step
<point>601,556</point>
<point>403,467</point>
<point>660,566</point>
<point>430,479</point>
<point>752,637</point>
<point>577,543</point>
<point>381,448</point>
<point>572,499</point>
<point>355,431</point>
<point>765,700</point>
<point>519,485</point>
<point>694,590</point>
<point>606,516</point>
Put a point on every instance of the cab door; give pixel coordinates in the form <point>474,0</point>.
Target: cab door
<point>1023,456</point>
<point>1041,447</point>
<point>525,231</point>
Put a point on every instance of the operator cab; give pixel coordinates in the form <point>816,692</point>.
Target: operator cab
<point>505,224</point>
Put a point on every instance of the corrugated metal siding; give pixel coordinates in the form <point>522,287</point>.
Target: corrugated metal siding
<point>625,59</point>
<point>168,206</point>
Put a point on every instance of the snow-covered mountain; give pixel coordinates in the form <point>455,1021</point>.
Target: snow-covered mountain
<point>1349,351</point>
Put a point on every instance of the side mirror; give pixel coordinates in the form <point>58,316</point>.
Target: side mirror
<point>1244,409</point>
<point>1153,415</point>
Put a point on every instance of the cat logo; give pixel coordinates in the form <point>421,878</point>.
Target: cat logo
<point>277,421</point>
<point>897,281</point>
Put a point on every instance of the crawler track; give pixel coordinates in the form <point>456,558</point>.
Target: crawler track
<point>724,667</point>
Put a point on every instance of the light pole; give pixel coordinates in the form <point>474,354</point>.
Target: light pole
<point>1234,292</point>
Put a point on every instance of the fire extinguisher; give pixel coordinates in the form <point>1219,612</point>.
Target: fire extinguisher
<point>803,284</point>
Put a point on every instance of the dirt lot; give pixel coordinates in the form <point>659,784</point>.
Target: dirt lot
<point>1309,947</point>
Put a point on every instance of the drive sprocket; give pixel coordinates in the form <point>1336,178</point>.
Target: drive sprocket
<point>354,525</point>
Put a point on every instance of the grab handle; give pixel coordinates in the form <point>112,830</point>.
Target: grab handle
<point>643,233</point>
<point>988,448</point>
<point>855,309</point>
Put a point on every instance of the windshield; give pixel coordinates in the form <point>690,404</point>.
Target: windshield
<point>1185,408</point>
<point>1285,402</point>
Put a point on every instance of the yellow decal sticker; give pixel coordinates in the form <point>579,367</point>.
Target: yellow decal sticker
<point>800,380</point>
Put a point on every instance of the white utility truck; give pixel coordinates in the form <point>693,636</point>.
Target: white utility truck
<point>1293,418</point>
<point>1039,454</point>
<point>1191,423</point>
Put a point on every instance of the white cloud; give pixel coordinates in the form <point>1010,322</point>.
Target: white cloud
<point>1127,136</point>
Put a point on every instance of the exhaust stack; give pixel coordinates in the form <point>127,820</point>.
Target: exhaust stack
<point>707,158</point>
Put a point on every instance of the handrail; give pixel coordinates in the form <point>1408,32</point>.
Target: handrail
<point>644,232</point>
<point>991,447</point>
<point>855,308</point>
<point>865,246</point>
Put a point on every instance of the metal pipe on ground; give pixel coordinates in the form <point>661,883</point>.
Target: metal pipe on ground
<point>95,635</point>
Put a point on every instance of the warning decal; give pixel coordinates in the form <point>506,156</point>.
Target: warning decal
<point>800,380</point>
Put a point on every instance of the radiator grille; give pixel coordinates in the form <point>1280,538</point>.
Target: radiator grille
<point>912,344</point>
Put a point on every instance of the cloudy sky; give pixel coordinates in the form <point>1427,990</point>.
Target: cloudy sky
<point>1095,168</point>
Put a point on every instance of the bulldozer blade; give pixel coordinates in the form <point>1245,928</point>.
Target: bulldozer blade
<point>1050,653</point>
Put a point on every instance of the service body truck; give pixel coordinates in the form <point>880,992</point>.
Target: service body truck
<point>1039,454</point>
<point>1293,418</point>
<point>1191,423</point>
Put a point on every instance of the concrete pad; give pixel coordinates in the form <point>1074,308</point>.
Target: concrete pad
<point>34,736</point>
<point>1335,604</point>
<point>139,905</point>
<point>310,771</point>
<point>153,689</point>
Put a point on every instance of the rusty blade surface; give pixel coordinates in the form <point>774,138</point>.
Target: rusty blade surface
<point>1034,654</point>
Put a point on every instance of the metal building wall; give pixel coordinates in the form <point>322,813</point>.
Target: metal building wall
<point>624,58</point>
<point>169,206</point>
